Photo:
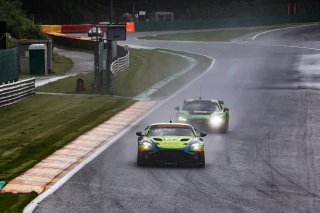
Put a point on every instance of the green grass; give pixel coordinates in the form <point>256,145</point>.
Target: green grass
<point>202,64</point>
<point>39,125</point>
<point>61,64</point>
<point>73,49</point>
<point>13,203</point>
<point>146,68</point>
<point>218,35</point>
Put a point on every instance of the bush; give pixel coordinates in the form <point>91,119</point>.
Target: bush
<point>18,25</point>
<point>10,41</point>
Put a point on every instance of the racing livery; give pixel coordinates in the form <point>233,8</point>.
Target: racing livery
<point>208,115</point>
<point>170,144</point>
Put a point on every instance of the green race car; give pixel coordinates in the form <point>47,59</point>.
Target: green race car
<point>170,144</point>
<point>208,115</point>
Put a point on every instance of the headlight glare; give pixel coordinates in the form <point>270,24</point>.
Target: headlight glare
<point>146,146</point>
<point>195,146</point>
<point>216,121</point>
<point>182,119</point>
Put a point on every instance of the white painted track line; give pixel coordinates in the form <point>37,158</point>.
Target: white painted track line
<point>269,31</point>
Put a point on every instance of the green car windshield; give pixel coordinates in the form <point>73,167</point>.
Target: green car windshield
<point>201,106</point>
<point>170,131</point>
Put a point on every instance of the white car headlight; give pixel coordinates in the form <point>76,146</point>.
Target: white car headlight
<point>216,121</point>
<point>182,119</point>
<point>146,146</point>
<point>195,146</point>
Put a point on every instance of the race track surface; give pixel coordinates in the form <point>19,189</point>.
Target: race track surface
<point>268,162</point>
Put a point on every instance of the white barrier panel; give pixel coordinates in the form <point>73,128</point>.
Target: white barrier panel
<point>13,92</point>
<point>120,64</point>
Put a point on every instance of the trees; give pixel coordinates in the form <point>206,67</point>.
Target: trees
<point>18,25</point>
<point>88,11</point>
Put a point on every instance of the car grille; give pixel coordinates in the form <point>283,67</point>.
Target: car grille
<point>200,112</point>
<point>173,156</point>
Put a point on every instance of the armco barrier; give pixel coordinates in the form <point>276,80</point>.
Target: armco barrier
<point>13,92</point>
<point>118,65</point>
<point>121,63</point>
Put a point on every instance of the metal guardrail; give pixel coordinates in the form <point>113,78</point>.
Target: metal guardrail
<point>13,92</point>
<point>120,64</point>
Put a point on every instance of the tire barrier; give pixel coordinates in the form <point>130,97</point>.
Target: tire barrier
<point>13,92</point>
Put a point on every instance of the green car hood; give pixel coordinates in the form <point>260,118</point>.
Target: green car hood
<point>171,142</point>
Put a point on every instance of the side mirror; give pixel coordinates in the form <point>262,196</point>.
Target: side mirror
<point>226,109</point>
<point>203,134</point>
<point>221,102</point>
<point>139,133</point>
<point>177,108</point>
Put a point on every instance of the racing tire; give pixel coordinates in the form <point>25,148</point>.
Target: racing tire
<point>202,164</point>
<point>139,161</point>
<point>224,129</point>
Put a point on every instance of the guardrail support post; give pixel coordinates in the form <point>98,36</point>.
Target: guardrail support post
<point>109,62</point>
<point>98,62</point>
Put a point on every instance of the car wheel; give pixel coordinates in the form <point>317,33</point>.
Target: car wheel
<point>223,129</point>
<point>139,163</point>
<point>202,164</point>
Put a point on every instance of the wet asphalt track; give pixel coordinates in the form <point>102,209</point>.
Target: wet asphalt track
<point>268,162</point>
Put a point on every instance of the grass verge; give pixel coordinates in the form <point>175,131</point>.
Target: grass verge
<point>217,35</point>
<point>39,125</point>
<point>202,64</point>
<point>13,203</point>
<point>61,64</point>
<point>146,68</point>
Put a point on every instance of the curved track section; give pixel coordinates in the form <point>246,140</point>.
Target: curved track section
<point>268,162</point>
